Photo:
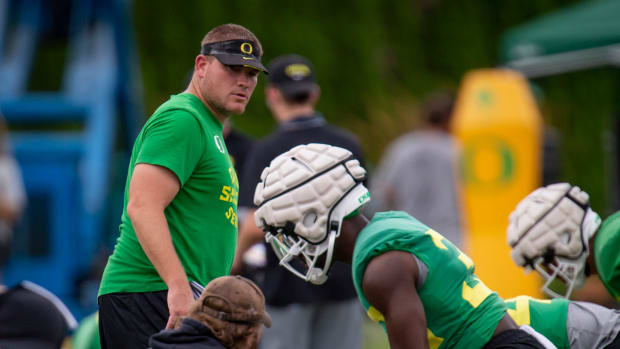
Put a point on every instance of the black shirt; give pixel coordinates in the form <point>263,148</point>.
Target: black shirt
<point>192,334</point>
<point>238,145</point>
<point>280,286</point>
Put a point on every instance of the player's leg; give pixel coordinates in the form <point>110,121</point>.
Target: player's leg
<point>290,327</point>
<point>127,320</point>
<point>338,325</point>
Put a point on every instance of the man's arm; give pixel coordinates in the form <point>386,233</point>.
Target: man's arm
<point>389,286</point>
<point>151,190</point>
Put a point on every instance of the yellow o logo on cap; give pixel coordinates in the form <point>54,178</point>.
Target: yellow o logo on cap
<point>297,71</point>
<point>247,48</point>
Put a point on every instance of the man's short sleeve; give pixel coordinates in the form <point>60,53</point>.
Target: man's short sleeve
<point>174,140</point>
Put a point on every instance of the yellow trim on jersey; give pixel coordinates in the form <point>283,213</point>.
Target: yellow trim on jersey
<point>437,239</point>
<point>469,264</point>
<point>521,313</point>
<point>433,341</point>
<point>475,295</point>
<point>375,315</point>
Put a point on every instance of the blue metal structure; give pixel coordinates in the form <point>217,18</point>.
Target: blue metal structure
<point>66,141</point>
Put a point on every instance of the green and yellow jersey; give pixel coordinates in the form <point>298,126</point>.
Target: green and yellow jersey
<point>606,254</point>
<point>184,137</point>
<point>548,317</point>
<point>461,312</point>
<point>568,324</point>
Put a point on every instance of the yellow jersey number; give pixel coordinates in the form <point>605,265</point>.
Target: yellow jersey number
<point>473,292</point>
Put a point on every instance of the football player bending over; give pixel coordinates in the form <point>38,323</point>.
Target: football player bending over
<point>416,284</point>
<point>554,231</point>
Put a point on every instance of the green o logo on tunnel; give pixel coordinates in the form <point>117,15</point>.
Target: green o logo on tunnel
<point>488,162</point>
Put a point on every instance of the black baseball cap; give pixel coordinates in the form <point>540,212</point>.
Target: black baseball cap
<point>30,319</point>
<point>235,52</point>
<point>293,75</point>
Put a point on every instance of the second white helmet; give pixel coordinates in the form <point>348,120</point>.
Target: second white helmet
<point>549,231</point>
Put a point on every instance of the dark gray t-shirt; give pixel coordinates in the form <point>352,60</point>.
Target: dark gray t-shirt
<point>418,171</point>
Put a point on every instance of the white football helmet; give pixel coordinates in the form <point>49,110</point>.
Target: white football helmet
<point>550,231</point>
<point>302,199</point>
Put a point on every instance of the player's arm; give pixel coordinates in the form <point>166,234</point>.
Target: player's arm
<point>151,190</point>
<point>389,286</point>
<point>249,234</point>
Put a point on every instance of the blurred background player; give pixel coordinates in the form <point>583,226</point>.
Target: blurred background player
<point>230,313</point>
<point>554,231</point>
<point>12,194</point>
<point>31,317</point>
<point>408,277</point>
<point>303,317</point>
<point>418,172</point>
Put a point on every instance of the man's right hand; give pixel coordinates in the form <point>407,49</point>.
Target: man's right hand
<point>179,301</point>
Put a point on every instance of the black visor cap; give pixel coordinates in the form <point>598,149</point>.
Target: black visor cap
<point>235,52</point>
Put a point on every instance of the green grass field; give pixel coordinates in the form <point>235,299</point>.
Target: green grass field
<point>374,336</point>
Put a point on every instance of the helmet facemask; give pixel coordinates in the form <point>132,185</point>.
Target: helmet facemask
<point>303,217</point>
<point>563,274</point>
<point>301,257</point>
<point>549,231</point>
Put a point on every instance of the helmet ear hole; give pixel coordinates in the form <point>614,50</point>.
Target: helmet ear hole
<point>310,219</point>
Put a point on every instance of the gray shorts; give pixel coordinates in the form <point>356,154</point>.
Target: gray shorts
<point>591,326</point>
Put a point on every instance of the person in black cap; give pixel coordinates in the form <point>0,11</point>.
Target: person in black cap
<point>32,318</point>
<point>179,221</point>
<point>326,316</point>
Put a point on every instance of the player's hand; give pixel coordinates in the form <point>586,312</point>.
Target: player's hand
<point>179,301</point>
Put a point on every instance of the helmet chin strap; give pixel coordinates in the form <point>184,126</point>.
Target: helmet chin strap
<point>318,276</point>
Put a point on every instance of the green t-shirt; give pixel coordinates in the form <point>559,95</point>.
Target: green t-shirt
<point>607,254</point>
<point>461,312</point>
<point>183,136</point>
<point>547,317</point>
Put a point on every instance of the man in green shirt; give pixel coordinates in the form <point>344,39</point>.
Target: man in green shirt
<point>420,287</point>
<point>179,222</point>
<point>554,231</point>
